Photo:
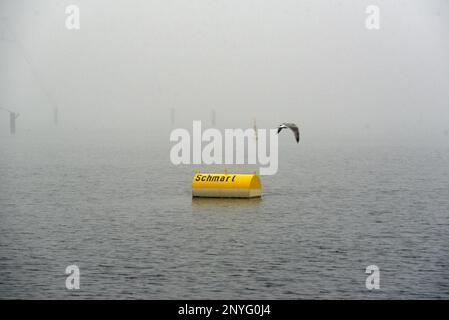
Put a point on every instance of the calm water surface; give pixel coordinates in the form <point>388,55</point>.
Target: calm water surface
<point>124,214</point>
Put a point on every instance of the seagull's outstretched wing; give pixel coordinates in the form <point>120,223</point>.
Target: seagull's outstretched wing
<point>280,127</point>
<point>292,127</point>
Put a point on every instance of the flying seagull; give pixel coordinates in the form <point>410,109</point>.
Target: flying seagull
<point>292,127</point>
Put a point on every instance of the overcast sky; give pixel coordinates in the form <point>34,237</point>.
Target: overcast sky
<point>310,62</point>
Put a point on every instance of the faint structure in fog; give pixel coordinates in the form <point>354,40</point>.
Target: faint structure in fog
<point>33,71</point>
<point>255,128</point>
<point>12,120</point>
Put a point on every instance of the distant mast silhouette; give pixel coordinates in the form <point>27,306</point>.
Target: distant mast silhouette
<point>255,128</point>
<point>12,121</point>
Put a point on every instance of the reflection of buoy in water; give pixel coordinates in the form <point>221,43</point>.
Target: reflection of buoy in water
<point>226,185</point>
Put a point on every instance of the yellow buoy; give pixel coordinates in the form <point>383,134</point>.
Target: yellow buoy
<point>226,185</point>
